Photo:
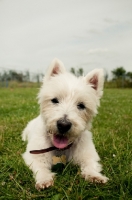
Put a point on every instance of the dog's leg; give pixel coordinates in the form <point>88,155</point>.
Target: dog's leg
<point>40,164</point>
<point>90,170</point>
<point>41,167</point>
<point>85,155</point>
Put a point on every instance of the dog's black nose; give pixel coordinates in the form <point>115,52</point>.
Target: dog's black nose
<point>63,125</point>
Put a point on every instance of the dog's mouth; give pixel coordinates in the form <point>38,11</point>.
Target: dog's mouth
<point>60,141</point>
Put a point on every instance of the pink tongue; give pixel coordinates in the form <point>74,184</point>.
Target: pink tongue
<point>60,141</point>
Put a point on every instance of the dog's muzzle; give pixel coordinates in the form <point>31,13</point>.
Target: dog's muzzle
<point>63,125</point>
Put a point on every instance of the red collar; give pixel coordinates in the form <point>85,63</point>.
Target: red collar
<point>49,149</point>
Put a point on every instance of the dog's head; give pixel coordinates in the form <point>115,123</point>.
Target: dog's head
<point>68,103</point>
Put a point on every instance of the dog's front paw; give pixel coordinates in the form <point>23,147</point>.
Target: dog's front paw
<point>96,179</point>
<point>44,184</point>
<point>44,180</point>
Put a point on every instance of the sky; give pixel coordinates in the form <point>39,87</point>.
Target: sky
<point>84,34</point>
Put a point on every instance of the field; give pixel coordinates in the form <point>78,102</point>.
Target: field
<point>112,134</point>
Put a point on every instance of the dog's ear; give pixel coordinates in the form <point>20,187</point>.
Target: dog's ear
<point>56,67</point>
<point>95,78</point>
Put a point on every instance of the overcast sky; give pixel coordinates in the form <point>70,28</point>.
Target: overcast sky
<point>82,33</point>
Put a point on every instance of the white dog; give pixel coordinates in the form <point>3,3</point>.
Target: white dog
<point>67,106</point>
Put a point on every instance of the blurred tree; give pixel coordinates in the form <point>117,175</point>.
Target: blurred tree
<point>129,75</point>
<point>72,70</point>
<point>79,72</point>
<point>17,76</point>
<point>106,76</point>
<point>119,72</point>
<point>12,75</point>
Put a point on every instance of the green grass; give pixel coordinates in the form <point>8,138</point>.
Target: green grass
<point>112,132</point>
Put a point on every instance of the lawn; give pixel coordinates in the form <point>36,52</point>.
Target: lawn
<point>112,134</point>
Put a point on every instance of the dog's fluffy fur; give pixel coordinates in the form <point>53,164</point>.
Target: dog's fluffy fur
<point>67,106</point>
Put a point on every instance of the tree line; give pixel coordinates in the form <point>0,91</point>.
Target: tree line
<point>120,77</point>
<point>120,72</point>
<point>12,75</point>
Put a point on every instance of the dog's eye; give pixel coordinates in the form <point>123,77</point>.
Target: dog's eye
<point>55,100</point>
<point>81,106</point>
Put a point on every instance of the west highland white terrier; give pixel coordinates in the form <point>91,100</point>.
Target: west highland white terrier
<point>67,106</point>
